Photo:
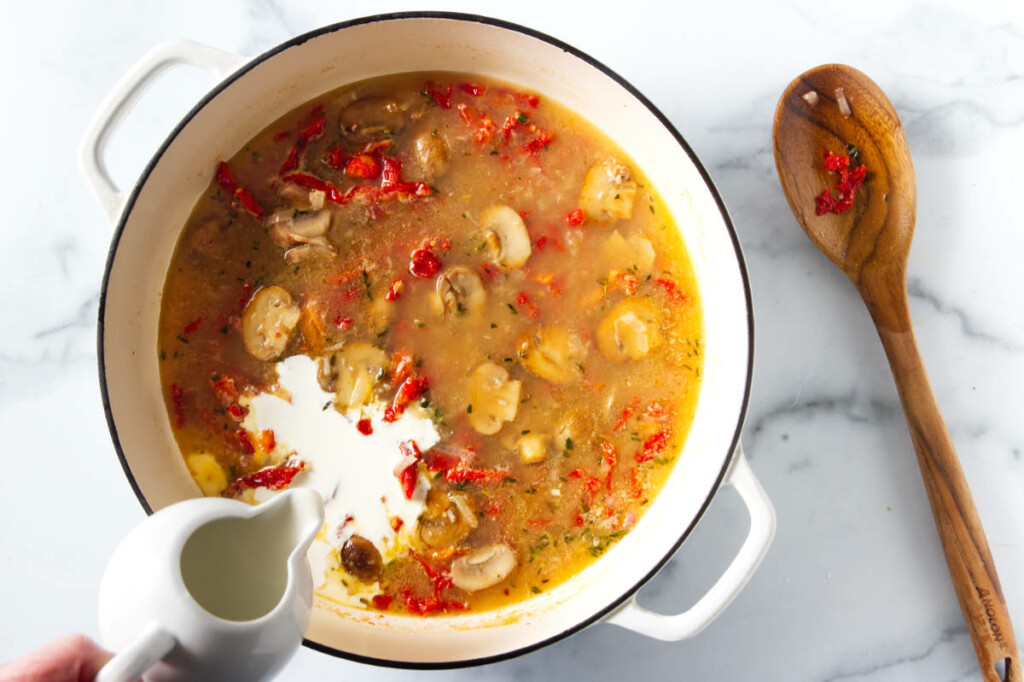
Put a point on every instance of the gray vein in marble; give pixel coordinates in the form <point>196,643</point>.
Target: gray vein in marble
<point>918,291</point>
<point>848,405</point>
<point>84,317</point>
<point>947,636</point>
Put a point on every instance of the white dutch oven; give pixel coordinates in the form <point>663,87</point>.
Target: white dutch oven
<point>256,91</point>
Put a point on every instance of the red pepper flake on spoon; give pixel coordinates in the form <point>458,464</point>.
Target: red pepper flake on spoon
<point>850,178</point>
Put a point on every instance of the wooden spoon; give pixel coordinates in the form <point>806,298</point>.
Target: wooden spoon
<point>870,243</point>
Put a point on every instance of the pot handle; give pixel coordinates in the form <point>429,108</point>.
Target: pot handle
<point>122,99</point>
<point>673,628</point>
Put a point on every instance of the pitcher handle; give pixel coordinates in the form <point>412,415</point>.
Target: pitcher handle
<point>123,98</point>
<point>146,651</point>
<point>676,627</point>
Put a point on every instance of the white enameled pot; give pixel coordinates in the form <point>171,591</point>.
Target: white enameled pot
<point>254,92</point>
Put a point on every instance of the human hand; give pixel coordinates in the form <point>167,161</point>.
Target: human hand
<point>72,658</point>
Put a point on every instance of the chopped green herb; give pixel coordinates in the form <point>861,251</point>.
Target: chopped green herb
<point>512,308</point>
<point>366,284</point>
<point>469,409</point>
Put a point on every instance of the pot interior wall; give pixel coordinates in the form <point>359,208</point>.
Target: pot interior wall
<point>306,68</point>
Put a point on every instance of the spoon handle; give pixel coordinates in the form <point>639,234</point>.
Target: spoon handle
<point>963,539</point>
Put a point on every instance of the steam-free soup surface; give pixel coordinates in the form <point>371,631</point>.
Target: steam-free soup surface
<point>473,280</point>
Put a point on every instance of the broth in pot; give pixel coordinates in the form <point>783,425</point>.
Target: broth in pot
<point>456,310</point>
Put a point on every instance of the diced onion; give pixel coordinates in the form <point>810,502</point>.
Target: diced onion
<point>844,106</point>
<point>811,97</point>
<point>467,514</point>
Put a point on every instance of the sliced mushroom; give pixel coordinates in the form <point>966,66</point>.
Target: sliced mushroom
<point>483,568</point>
<point>635,254</point>
<point>268,322</point>
<point>575,426</point>
<point>447,519</point>
<point>631,330</point>
<point>372,119</point>
<point>352,373</point>
<point>494,398</point>
<point>433,153</point>
<point>305,252</point>
<point>533,447</point>
<point>361,558</point>
<point>288,228</point>
<point>608,191</point>
<point>302,198</point>
<point>505,236</point>
<point>552,353</point>
<point>459,291</point>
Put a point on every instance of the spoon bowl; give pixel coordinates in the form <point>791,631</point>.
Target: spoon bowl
<point>836,108</point>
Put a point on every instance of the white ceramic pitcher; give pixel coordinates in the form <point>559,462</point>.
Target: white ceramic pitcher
<point>210,589</point>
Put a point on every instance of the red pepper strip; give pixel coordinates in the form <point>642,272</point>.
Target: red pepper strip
<point>627,412</point>
<point>343,323</point>
<point>527,304</point>
<point>539,523</point>
<point>291,161</point>
<point>652,446</point>
<point>382,601</point>
<point>424,263</point>
<point>672,289</point>
<point>575,217</point>
<point>312,131</point>
<point>237,411</point>
<point>539,142</point>
<point>541,242</point>
<point>460,474</point>
<point>274,478</point>
<point>178,401</point>
<point>510,124</point>
<point>611,457</point>
<point>474,118</point>
<point>475,90</point>
<point>395,290</point>
<point>401,367</point>
<point>438,461</point>
<point>411,388</point>
<point>634,483</point>
<point>364,426</point>
<point>192,326</point>
<point>336,158</point>
<point>245,441</point>
<point>267,440</point>
<point>331,193</point>
<point>363,166</point>
<point>224,389</point>
<point>529,98</point>
<point>442,98</point>
<point>489,272</point>
<point>238,194</point>
<point>421,606</point>
<point>407,479</point>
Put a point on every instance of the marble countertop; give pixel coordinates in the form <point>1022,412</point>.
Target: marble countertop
<point>855,586</point>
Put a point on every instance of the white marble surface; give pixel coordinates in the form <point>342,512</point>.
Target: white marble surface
<point>855,586</point>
